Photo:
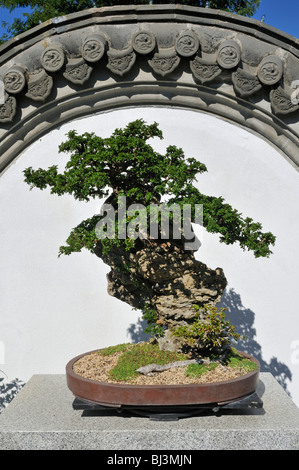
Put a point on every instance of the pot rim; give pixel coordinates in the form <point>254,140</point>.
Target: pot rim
<point>70,372</point>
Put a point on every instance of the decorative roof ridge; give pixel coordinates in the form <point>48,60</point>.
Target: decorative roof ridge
<point>153,13</point>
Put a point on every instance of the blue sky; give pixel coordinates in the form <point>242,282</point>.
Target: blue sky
<point>282,14</point>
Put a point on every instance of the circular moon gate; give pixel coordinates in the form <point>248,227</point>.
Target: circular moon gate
<point>233,67</point>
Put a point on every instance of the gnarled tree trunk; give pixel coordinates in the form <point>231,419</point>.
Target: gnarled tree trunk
<point>164,276</point>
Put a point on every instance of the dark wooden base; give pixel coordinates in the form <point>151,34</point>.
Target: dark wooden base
<point>171,413</point>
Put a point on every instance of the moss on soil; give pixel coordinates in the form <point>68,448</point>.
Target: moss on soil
<point>134,356</point>
<point>115,349</point>
<point>138,355</point>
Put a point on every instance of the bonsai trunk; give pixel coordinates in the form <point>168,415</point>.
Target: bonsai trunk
<point>166,278</point>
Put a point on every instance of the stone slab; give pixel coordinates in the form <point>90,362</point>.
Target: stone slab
<point>41,417</point>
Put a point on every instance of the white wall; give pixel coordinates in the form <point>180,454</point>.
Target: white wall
<point>55,308</point>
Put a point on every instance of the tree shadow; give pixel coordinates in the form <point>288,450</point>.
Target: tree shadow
<point>136,331</point>
<point>243,319</point>
<point>8,391</point>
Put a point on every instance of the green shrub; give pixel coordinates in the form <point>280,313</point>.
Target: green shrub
<point>154,325</point>
<point>209,333</point>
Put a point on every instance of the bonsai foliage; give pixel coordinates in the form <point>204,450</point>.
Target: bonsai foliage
<point>126,164</point>
<point>151,270</point>
<point>209,331</point>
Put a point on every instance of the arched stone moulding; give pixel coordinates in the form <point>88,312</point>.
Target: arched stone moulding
<point>158,55</point>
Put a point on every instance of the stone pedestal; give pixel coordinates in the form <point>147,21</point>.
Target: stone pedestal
<point>41,417</point>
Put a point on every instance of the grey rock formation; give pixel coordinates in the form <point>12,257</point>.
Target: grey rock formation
<point>165,277</point>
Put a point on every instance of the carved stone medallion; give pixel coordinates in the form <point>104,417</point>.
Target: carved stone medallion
<point>244,83</point>
<point>93,48</point>
<point>203,70</point>
<point>121,61</point>
<point>14,80</point>
<point>187,44</point>
<point>8,109</point>
<point>53,59</point>
<point>270,70</point>
<point>229,54</point>
<point>164,62</point>
<point>144,42</point>
<point>282,102</point>
<point>39,85</point>
<point>77,71</point>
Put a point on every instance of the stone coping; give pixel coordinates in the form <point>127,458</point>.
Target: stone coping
<point>167,12</point>
<point>41,417</point>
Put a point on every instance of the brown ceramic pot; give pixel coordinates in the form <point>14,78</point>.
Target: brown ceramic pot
<point>117,395</point>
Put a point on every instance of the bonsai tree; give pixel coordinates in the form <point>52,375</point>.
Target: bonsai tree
<point>144,231</point>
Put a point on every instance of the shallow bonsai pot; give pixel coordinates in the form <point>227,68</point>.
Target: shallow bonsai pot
<point>117,395</point>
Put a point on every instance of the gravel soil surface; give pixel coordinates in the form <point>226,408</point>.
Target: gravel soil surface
<point>95,366</point>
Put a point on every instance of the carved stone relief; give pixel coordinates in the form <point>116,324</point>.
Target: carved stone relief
<point>14,80</point>
<point>244,83</point>
<point>39,85</point>
<point>270,70</point>
<point>203,70</point>
<point>229,54</point>
<point>93,48</point>
<point>120,62</point>
<point>281,101</point>
<point>144,42</point>
<point>77,71</point>
<point>8,109</point>
<point>208,56</point>
<point>187,44</point>
<point>53,59</point>
<point>164,62</point>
